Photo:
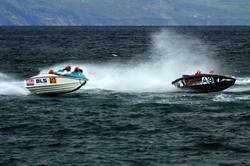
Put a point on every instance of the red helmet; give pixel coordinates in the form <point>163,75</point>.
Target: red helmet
<point>68,68</point>
<point>50,72</point>
<point>77,69</point>
<point>197,72</point>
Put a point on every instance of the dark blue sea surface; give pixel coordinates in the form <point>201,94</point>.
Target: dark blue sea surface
<point>128,113</point>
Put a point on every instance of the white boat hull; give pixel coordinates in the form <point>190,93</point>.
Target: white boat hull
<point>53,84</point>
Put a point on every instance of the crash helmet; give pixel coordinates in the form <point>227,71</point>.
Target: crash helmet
<point>77,69</point>
<point>67,68</point>
<point>197,72</point>
<point>50,72</point>
<point>211,71</point>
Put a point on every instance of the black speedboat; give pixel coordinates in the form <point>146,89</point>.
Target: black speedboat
<point>204,83</point>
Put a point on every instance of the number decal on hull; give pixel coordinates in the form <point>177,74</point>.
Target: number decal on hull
<point>207,80</point>
<point>52,80</point>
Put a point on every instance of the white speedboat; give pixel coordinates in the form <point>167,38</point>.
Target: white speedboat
<point>54,84</point>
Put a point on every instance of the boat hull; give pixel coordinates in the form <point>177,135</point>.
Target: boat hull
<point>53,84</point>
<point>204,83</point>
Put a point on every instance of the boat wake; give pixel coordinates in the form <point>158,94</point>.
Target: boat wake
<point>11,86</point>
<point>239,92</point>
<point>242,84</point>
<point>243,81</point>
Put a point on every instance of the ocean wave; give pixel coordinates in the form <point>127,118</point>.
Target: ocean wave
<point>230,98</point>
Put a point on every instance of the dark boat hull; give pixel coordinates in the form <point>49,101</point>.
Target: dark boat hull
<point>204,83</point>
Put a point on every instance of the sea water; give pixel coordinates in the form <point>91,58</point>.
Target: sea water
<point>128,113</point>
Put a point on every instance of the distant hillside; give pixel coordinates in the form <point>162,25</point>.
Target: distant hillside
<point>124,12</point>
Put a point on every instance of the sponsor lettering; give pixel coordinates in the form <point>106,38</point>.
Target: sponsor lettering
<point>41,81</point>
<point>29,82</point>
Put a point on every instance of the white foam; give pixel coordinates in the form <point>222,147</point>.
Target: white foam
<point>238,89</point>
<point>223,98</point>
<point>230,97</point>
<point>244,97</point>
<point>242,84</point>
<point>243,81</point>
<point>9,86</point>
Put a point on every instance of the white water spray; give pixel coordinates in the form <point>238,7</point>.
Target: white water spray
<point>242,84</point>
<point>171,56</point>
<point>9,86</point>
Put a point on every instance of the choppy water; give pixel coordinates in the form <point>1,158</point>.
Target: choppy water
<point>128,113</point>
